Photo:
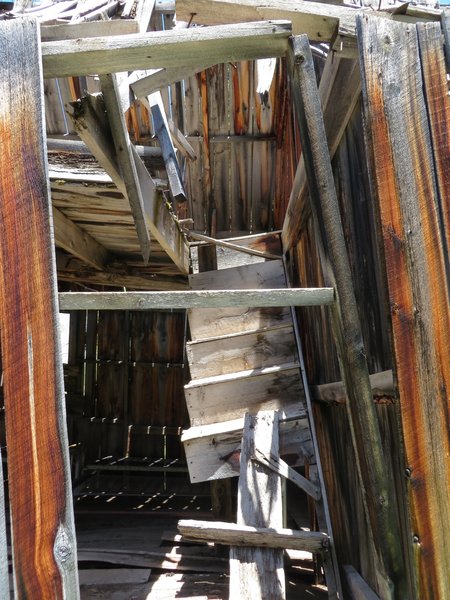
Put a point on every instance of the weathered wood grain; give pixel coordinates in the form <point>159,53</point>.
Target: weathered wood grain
<point>169,49</point>
<point>213,451</point>
<point>65,31</point>
<point>44,545</point>
<point>126,162</point>
<point>194,298</point>
<point>258,572</point>
<point>227,397</point>
<point>240,352</point>
<point>345,319</point>
<point>415,239</point>
<point>244,535</point>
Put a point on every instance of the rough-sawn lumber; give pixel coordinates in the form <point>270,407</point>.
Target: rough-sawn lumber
<point>163,49</point>
<point>43,533</point>
<point>232,534</point>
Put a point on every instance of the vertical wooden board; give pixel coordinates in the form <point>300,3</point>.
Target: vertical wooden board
<point>91,366</point>
<point>44,545</point>
<point>4,569</point>
<point>220,153</point>
<point>112,357</point>
<point>415,251</point>
<point>258,572</point>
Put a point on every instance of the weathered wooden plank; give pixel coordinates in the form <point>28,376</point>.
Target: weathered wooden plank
<point>227,397</point>
<point>240,352</point>
<point>44,545</point>
<point>213,451</point>
<point>358,587</point>
<point>66,31</point>
<point>169,49</point>
<point>233,534</point>
<point>382,388</point>
<point>345,319</point>
<point>73,239</point>
<point>258,572</point>
<point>125,160</point>
<point>269,274</point>
<point>415,240</point>
<point>168,151</point>
<point>194,298</point>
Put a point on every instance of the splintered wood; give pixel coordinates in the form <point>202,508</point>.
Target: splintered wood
<point>44,547</point>
<point>258,572</point>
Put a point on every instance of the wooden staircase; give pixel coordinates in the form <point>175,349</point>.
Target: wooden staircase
<point>250,415</point>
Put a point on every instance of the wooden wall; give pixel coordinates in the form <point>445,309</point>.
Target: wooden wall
<point>126,372</point>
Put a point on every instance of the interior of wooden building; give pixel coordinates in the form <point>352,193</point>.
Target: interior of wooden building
<point>224,300</point>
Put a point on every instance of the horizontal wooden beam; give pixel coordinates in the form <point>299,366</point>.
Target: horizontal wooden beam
<point>195,299</point>
<point>163,49</point>
<point>243,535</point>
<point>88,29</point>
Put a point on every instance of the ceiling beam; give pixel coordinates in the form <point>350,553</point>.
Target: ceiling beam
<point>163,49</point>
<point>71,238</point>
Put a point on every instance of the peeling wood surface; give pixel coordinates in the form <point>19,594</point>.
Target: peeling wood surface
<point>44,545</point>
<point>129,53</point>
<point>415,236</point>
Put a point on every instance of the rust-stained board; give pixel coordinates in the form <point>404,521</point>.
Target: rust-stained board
<point>44,546</point>
<point>413,201</point>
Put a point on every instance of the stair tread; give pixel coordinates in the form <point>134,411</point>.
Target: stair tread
<point>238,334</point>
<point>241,375</point>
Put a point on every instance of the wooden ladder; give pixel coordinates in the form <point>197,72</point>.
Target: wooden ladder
<point>250,408</point>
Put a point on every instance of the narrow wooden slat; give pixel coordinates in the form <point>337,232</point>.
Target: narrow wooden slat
<point>194,298</point>
<point>279,466</point>
<point>258,571</point>
<point>168,151</point>
<point>44,545</point>
<point>244,535</point>
<point>66,31</point>
<point>415,240</point>
<point>213,451</point>
<point>160,78</point>
<point>169,49</point>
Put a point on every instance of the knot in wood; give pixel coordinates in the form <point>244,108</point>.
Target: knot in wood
<point>299,59</point>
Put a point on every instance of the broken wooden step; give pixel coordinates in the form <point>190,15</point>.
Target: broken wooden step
<point>213,451</point>
<point>242,351</point>
<point>244,535</point>
<point>230,396</point>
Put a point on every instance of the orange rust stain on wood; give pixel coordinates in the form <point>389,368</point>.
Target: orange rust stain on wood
<point>413,381</point>
<point>27,310</point>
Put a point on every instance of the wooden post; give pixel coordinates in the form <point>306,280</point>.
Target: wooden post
<point>408,119</point>
<point>43,535</point>
<point>257,573</point>
<point>345,320</point>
